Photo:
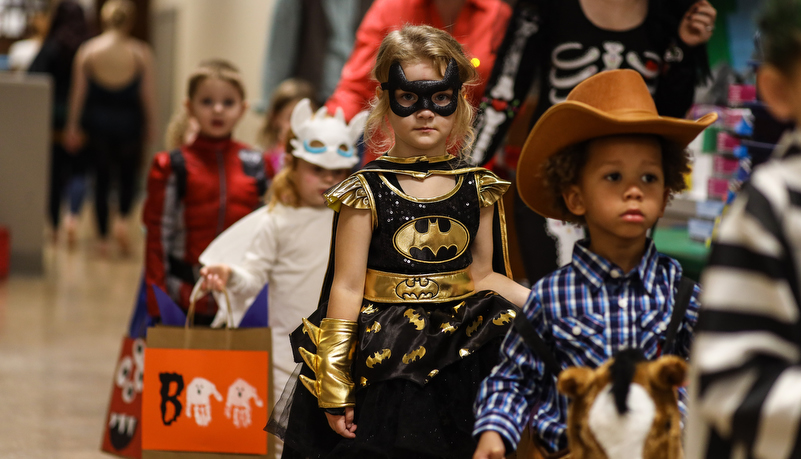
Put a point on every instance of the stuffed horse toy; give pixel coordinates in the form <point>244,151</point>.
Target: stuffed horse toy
<point>625,409</point>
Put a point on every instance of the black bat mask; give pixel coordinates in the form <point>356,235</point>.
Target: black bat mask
<point>424,90</point>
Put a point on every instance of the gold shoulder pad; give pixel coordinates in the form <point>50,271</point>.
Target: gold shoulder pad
<point>490,187</point>
<point>352,192</point>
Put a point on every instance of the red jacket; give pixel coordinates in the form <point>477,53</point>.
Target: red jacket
<point>223,182</point>
<point>480,28</point>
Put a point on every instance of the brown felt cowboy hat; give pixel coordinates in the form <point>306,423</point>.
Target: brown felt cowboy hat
<point>610,103</point>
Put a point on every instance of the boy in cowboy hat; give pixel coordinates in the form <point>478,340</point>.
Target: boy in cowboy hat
<point>606,160</point>
<point>749,339</point>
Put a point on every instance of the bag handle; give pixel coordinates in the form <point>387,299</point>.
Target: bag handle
<point>197,292</point>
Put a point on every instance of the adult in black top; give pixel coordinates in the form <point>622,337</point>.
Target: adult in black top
<point>68,30</point>
<point>113,102</point>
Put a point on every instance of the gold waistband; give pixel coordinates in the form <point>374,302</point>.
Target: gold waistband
<point>383,287</point>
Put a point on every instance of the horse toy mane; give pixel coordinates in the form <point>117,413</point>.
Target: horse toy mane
<point>626,408</point>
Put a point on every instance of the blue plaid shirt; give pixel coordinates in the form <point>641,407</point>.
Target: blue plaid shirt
<point>586,312</point>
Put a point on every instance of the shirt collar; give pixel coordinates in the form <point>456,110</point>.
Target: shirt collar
<point>597,270</point>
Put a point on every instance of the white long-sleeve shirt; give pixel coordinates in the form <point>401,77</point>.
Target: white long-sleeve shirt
<point>290,253</point>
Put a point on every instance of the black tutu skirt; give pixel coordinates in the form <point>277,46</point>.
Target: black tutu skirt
<point>397,418</point>
<point>417,370</point>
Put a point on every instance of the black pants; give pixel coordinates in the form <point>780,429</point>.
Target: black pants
<point>64,168</point>
<point>119,161</point>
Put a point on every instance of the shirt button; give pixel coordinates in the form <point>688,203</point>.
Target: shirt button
<point>576,330</point>
<point>614,274</point>
<point>623,302</point>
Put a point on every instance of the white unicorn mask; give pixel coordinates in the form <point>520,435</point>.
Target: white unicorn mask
<point>323,140</point>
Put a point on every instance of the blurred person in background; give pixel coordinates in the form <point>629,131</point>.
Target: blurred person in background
<point>198,190</point>
<point>746,360</point>
<point>276,129</point>
<point>560,43</point>
<point>112,111</point>
<point>21,53</point>
<point>68,30</point>
<point>310,40</point>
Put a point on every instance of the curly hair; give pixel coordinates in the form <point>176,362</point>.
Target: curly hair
<point>780,34</point>
<point>564,169</point>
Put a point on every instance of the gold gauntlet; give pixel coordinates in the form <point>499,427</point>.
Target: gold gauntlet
<point>336,343</point>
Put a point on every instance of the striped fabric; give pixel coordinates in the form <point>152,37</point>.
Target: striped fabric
<point>586,311</point>
<point>747,356</point>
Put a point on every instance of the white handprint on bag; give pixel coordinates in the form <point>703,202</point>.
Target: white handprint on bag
<point>197,394</point>
<point>238,402</point>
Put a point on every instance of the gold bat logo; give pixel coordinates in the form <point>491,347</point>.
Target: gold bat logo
<point>447,327</point>
<point>417,288</point>
<point>375,328</point>
<point>363,381</point>
<point>464,352</point>
<point>504,317</point>
<point>416,354</point>
<point>474,326</point>
<point>432,239</point>
<point>369,309</point>
<point>378,357</point>
<point>415,319</point>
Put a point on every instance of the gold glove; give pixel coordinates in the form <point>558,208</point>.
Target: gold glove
<point>336,343</point>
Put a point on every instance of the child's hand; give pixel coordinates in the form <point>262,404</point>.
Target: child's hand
<point>490,446</point>
<point>215,277</point>
<point>698,23</point>
<point>343,425</point>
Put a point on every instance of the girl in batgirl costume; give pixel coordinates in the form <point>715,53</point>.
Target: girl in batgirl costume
<point>414,304</point>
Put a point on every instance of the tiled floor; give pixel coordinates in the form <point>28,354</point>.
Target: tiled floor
<point>59,340</point>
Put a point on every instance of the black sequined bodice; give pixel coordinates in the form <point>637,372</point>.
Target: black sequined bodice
<point>422,235</point>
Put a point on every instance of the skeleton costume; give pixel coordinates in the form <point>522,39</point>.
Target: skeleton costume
<point>552,41</point>
<point>425,337</point>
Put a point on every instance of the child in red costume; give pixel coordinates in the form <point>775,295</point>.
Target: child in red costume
<point>199,190</point>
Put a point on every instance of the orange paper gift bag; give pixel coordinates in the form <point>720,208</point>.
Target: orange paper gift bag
<point>207,392</point>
